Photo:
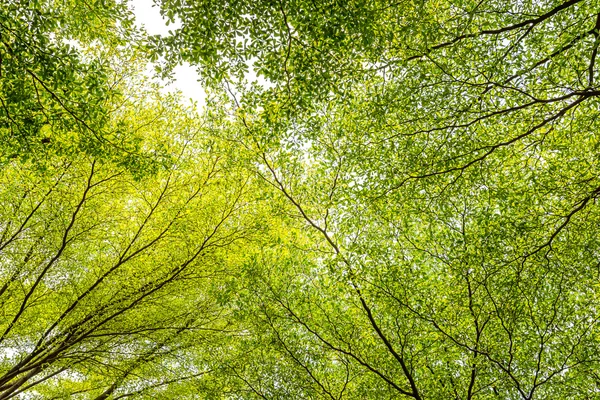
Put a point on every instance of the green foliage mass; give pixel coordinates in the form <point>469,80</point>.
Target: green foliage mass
<point>379,200</point>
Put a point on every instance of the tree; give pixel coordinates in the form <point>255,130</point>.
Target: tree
<point>119,207</point>
<point>107,279</point>
<point>441,156</point>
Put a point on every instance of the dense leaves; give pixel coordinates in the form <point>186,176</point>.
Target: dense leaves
<point>62,81</point>
<point>442,157</point>
<point>402,205</point>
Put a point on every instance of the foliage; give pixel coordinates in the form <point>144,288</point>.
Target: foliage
<point>404,205</point>
<point>439,160</point>
<point>62,69</point>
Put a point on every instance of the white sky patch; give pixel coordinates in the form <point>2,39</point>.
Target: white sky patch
<point>147,15</point>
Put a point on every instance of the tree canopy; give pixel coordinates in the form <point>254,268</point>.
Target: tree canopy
<point>378,200</point>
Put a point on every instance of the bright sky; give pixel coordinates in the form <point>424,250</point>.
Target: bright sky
<point>186,77</point>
